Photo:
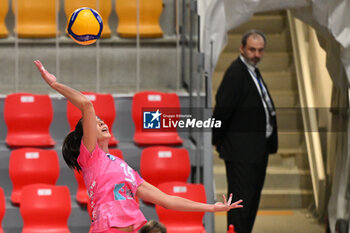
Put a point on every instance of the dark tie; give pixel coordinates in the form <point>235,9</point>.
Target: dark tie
<point>265,95</point>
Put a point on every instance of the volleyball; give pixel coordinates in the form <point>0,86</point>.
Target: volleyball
<point>85,26</point>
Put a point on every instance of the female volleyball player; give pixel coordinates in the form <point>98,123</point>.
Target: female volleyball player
<point>112,185</point>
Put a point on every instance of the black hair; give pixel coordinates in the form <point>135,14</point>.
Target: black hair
<point>253,32</point>
<point>153,227</point>
<point>71,146</point>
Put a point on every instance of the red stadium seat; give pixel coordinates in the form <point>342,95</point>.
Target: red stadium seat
<point>177,221</point>
<point>82,195</point>
<point>2,208</point>
<point>164,164</point>
<point>116,152</point>
<point>45,208</point>
<point>104,108</point>
<point>143,105</point>
<point>28,118</point>
<point>30,166</point>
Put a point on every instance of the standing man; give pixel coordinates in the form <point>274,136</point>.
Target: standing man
<point>248,132</point>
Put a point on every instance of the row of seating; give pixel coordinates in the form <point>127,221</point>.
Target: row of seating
<point>33,165</point>
<point>28,117</point>
<point>37,19</point>
<point>46,208</point>
<point>159,166</point>
<point>169,169</point>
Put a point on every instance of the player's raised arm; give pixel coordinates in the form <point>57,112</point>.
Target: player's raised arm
<point>78,100</point>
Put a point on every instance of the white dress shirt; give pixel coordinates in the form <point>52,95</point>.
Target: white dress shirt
<point>251,70</point>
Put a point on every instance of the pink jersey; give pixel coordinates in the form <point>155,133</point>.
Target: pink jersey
<point>111,186</point>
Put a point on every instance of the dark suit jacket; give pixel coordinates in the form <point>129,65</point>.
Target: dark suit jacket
<point>242,136</point>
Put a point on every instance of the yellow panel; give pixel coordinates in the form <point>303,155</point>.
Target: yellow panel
<point>4,7</point>
<point>35,19</point>
<point>150,12</point>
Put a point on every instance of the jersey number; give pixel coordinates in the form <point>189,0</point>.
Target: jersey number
<point>129,176</point>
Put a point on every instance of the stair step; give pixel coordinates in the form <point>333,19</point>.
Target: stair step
<point>274,23</point>
<point>292,178</point>
<point>276,177</point>
<point>280,80</point>
<point>285,199</point>
<point>298,159</point>
<point>279,199</point>
<point>275,80</point>
<point>291,139</point>
<point>289,119</point>
<point>281,98</point>
<point>285,157</point>
<point>216,80</point>
<point>284,152</point>
<point>285,99</point>
<point>272,61</point>
<point>275,43</point>
<point>217,160</point>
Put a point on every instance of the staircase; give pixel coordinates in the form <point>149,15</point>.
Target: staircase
<point>288,181</point>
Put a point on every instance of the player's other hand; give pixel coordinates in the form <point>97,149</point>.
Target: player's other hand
<point>226,206</point>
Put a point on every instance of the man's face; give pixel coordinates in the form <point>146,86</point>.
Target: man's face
<point>253,51</point>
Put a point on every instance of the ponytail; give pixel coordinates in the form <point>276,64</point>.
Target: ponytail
<point>71,146</point>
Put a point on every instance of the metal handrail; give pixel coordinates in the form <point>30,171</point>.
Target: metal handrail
<point>307,102</point>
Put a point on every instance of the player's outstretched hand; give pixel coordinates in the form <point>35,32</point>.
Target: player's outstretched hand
<point>49,78</point>
<point>226,206</point>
